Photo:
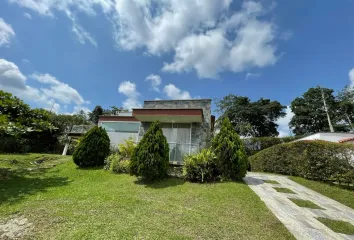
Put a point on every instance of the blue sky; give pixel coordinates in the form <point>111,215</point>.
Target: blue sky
<point>121,52</point>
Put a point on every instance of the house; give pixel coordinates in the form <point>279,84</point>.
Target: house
<point>187,125</point>
<point>331,137</point>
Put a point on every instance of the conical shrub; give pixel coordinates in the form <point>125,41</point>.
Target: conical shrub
<point>150,158</point>
<point>230,152</point>
<point>92,149</point>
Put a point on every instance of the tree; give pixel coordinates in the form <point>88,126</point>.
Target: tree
<point>249,118</point>
<point>93,148</point>
<point>230,152</point>
<point>309,112</point>
<point>114,110</point>
<point>94,115</point>
<point>150,158</point>
<point>346,106</point>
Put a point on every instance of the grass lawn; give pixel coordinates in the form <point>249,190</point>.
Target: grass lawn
<point>338,226</point>
<point>341,195</point>
<point>271,181</point>
<point>64,202</point>
<point>284,190</point>
<point>305,203</point>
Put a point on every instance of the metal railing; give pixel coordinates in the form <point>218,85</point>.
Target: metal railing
<point>79,129</point>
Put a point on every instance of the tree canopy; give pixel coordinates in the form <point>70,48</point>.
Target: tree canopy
<point>256,119</point>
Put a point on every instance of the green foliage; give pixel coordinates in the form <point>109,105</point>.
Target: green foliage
<point>317,160</point>
<point>92,149</point>
<point>120,165</point>
<point>257,144</point>
<point>94,115</point>
<point>201,167</point>
<point>230,152</point>
<point>309,113</point>
<point>126,149</point>
<point>150,158</point>
<point>249,118</point>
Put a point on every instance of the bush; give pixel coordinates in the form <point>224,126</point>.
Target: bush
<point>126,149</point>
<point>92,149</point>
<point>257,144</point>
<point>150,158</point>
<point>120,165</point>
<point>316,160</point>
<point>201,167</point>
<point>109,160</point>
<point>230,153</point>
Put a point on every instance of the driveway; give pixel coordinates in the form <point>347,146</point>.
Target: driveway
<point>300,221</point>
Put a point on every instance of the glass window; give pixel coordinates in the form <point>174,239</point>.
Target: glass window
<point>131,127</point>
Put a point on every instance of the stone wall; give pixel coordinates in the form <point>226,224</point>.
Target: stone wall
<point>200,131</point>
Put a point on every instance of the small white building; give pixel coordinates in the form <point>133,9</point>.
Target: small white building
<point>331,137</point>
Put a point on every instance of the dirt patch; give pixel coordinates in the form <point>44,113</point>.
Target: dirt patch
<point>15,228</point>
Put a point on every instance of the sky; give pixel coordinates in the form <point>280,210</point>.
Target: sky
<point>69,55</point>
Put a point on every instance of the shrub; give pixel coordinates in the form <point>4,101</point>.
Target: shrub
<point>150,158</point>
<point>257,144</point>
<point>316,160</point>
<point>126,149</point>
<point>109,160</point>
<point>120,165</point>
<point>92,149</point>
<point>201,167</point>
<point>230,153</point>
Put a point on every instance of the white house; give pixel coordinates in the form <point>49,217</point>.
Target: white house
<point>331,137</point>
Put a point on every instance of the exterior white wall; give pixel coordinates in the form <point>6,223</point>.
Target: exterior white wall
<point>331,137</point>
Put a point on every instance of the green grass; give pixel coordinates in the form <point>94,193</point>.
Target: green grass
<point>341,195</point>
<point>270,181</point>
<point>338,226</point>
<point>65,202</point>
<point>283,190</point>
<point>305,203</point>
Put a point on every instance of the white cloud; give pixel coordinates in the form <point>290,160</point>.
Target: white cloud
<point>174,92</point>
<point>80,33</point>
<point>155,81</point>
<point>27,15</point>
<point>205,36</point>
<point>24,60</point>
<point>214,51</point>
<point>6,33</point>
<point>283,123</point>
<point>49,95</point>
<point>351,77</point>
<point>252,75</point>
<point>128,89</point>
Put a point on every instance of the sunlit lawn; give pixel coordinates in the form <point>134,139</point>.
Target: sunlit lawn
<point>64,202</point>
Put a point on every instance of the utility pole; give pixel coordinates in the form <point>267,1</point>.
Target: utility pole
<point>325,107</point>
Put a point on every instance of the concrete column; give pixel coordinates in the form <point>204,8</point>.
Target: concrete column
<point>66,146</point>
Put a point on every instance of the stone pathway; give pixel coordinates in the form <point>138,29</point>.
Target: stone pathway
<point>301,222</point>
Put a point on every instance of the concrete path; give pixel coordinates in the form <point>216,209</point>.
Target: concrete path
<point>301,222</point>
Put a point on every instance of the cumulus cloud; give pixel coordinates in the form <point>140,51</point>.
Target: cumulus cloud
<point>27,15</point>
<point>174,92</point>
<point>128,89</point>
<point>351,77</point>
<point>283,123</point>
<point>155,81</point>
<point>49,95</point>
<point>6,33</point>
<point>204,36</point>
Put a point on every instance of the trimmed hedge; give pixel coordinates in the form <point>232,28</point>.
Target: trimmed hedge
<point>150,158</point>
<point>257,144</point>
<point>201,167</point>
<point>93,148</point>
<point>316,160</point>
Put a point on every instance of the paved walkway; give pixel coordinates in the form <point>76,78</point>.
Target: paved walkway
<point>301,222</point>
